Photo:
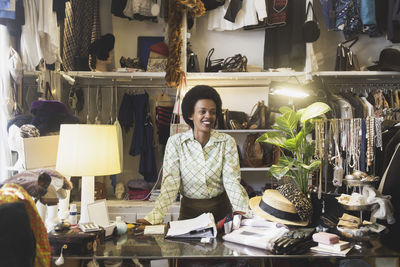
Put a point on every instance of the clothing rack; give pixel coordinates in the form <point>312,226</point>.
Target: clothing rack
<point>359,82</point>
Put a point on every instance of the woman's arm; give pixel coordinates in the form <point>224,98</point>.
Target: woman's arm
<point>170,183</point>
<point>231,178</point>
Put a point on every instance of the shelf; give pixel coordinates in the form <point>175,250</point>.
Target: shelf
<point>240,79</point>
<point>358,74</point>
<point>248,169</point>
<point>247,131</point>
<point>116,75</point>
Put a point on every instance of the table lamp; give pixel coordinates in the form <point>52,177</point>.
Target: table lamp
<point>87,150</point>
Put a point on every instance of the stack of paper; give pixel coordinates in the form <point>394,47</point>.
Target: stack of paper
<point>258,237</point>
<point>199,227</point>
<point>331,250</point>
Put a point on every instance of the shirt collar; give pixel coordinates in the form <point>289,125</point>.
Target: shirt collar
<point>214,137</point>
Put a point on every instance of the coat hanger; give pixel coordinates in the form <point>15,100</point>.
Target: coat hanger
<point>164,100</point>
<point>352,40</point>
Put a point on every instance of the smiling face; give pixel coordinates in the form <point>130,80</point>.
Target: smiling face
<point>204,115</point>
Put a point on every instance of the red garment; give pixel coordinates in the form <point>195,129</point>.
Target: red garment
<point>139,194</point>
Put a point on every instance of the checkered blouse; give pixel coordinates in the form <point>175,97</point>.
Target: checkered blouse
<point>199,172</point>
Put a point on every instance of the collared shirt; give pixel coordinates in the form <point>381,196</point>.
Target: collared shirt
<point>199,172</point>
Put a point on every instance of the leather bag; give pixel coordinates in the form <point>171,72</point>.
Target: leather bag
<point>311,29</point>
<point>235,120</point>
<point>260,117</point>
<point>346,60</point>
<point>212,65</point>
<point>252,152</point>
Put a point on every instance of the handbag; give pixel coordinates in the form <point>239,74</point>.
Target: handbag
<point>212,65</point>
<point>252,152</point>
<point>346,60</point>
<point>193,63</point>
<point>310,29</point>
<point>156,64</point>
<point>260,118</point>
<point>235,120</point>
<point>236,63</point>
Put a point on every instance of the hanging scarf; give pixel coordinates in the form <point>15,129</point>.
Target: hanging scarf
<point>177,8</point>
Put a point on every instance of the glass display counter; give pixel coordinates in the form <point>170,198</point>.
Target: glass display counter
<point>150,247</point>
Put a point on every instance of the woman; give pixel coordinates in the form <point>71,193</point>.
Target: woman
<point>202,164</point>
<point>101,51</point>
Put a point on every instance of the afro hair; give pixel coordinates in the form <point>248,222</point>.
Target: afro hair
<point>195,94</point>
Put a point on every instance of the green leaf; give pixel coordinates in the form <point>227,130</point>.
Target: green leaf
<point>290,144</point>
<point>287,121</point>
<point>288,161</point>
<point>285,109</point>
<point>279,171</point>
<point>299,139</point>
<point>274,138</point>
<point>284,130</point>
<point>314,110</point>
<point>314,165</point>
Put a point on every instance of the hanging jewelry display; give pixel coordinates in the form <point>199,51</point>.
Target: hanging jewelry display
<point>370,141</point>
<point>319,149</point>
<point>338,163</point>
<point>378,131</point>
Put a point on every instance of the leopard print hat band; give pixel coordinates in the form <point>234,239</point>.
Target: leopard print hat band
<point>298,199</point>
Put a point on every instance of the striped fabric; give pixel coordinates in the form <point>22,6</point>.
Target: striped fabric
<point>82,27</point>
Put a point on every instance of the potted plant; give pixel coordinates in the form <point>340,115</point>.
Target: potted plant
<point>293,128</point>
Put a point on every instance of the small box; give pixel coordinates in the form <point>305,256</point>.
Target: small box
<point>98,214</point>
<point>78,242</point>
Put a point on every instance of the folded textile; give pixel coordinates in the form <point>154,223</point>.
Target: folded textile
<point>384,210</point>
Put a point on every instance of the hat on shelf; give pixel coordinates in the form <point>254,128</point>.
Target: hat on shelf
<point>286,204</point>
<point>160,48</point>
<point>102,47</point>
<point>389,60</point>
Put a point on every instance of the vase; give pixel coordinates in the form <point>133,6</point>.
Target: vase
<point>120,225</point>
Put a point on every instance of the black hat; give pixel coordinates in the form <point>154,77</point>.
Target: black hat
<point>102,47</point>
<point>212,4</point>
<point>389,60</point>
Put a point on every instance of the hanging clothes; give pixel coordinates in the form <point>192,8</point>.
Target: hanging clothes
<point>82,27</point>
<point>142,140</point>
<point>163,120</point>
<point>14,26</point>
<point>285,47</point>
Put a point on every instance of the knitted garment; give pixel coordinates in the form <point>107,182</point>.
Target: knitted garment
<point>13,193</point>
<point>195,8</point>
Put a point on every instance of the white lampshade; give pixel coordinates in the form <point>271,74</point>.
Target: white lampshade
<point>88,150</point>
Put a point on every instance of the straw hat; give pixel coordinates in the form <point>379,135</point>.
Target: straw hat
<point>273,206</point>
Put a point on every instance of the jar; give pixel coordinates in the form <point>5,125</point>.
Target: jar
<point>120,225</point>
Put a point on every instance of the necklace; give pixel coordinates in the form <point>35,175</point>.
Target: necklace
<point>338,169</point>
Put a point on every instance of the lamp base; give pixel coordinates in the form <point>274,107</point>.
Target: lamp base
<point>87,197</point>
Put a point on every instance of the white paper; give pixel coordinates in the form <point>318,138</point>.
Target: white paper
<point>154,229</point>
<point>204,221</point>
<point>263,238</point>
